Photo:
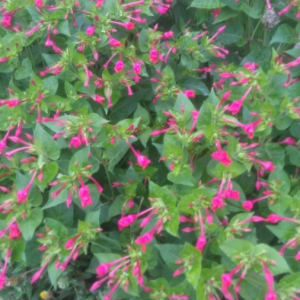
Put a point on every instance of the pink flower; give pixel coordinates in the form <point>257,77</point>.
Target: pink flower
<point>247,205</point>
<point>119,66</point>
<point>250,66</point>
<point>6,20</point>
<point>142,160</point>
<point>37,275</point>
<point>99,3</point>
<point>273,218</point>
<point>4,59</point>
<point>288,141</point>
<point>271,295</point>
<point>39,3</point>
<point>153,56</point>
<point>297,256</point>
<point>168,34</point>
<point>99,99</point>
<point>71,242</point>
<point>216,12</point>
<point>201,242</point>
<point>14,232</point>
<point>235,107</point>
<point>137,68</point>
<point>189,93</point>
<point>178,271</point>
<point>217,203</point>
<point>91,30</point>
<point>22,196</point>
<point>145,239</point>
<point>75,142</point>
<point>102,269</point>
<point>222,156</point>
<point>232,194</point>
<point>162,10</point>
<point>126,221</point>
<point>114,43</point>
<point>2,280</point>
<point>267,165</point>
<point>129,26</point>
<point>226,282</point>
<point>85,197</point>
<point>249,129</point>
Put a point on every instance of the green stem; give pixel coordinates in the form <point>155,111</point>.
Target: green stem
<point>255,29</point>
<point>31,58</point>
<point>109,180</point>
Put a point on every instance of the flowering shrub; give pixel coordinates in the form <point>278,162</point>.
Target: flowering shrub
<point>150,149</point>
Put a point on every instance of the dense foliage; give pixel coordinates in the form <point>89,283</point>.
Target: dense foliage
<point>150,149</point>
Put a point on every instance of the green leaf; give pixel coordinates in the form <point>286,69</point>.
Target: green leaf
<point>53,274</point>
<point>30,223</point>
<point>294,155</point>
<point>194,257</point>
<point>184,176</point>
<point>143,114</point>
<point>183,101</point>
<point>51,84</point>
<point>170,253</point>
<point>270,253</point>
<point>49,171</point>
<point>232,33</point>
<point>289,281</point>
<point>93,218</point>
<point>226,13</point>
<point>281,179</point>
<point>172,225</point>
<point>79,160</point>
<point>61,198</point>
<point>44,144</point>
<point>163,193</point>
<point>116,154</point>
<point>25,70</point>
<point>284,34</point>
<point>207,4</point>
<point>235,247</point>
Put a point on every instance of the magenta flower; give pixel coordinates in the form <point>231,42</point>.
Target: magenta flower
<point>37,275</point>
<point>126,221</point>
<point>247,205</point>
<point>14,232</point>
<point>71,242</point>
<point>137,68</point>
<point>22,195</point>
<point>102,269</point>
<point>249,129</point>
<point>85,197</point>
<point>114,43</point>
<point>221,156</point>
<point>235,107</point>
<point>145,239</point>
<point>189,93</point>
<point>119,66</point>
<point>217,203</point>
<point>232,194</point>
<point>91,30</point>
<point>153,56</point>
<point>142,160</point>
<point>75,142</point>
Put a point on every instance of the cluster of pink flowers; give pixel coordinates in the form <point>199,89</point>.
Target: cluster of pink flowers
<point>107,61</point>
